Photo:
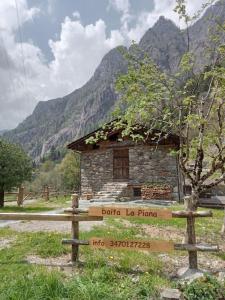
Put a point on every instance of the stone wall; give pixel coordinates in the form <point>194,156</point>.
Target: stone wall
<point>150,165</point>
<point>96,170</point>
<point>146,164</point>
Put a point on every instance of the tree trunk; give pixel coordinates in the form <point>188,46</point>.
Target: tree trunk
<point>191,203</point>
<point>2,196</point>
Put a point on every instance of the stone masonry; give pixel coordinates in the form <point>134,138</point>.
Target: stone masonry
<point>151,165</point>
<point>146,165</point>
<point>96,170</point>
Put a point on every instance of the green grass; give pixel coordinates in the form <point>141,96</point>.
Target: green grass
<point>39,205</point>
<point>31,209</point>
<point>104,274</point>
<point>53,202</point>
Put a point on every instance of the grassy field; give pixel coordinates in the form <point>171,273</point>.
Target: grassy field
<point>102,274</point>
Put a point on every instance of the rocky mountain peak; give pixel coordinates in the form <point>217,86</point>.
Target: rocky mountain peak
<point>112,63</point>
<point>165,44</point>
<point>164,24</point>
<point>57,122</point>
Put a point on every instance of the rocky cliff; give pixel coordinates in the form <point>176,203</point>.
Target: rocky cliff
<point>59,121</point>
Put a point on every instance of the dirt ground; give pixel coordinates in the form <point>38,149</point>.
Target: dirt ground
<point>46,226</point>
<point>5,243</point>
<point>211,263</point>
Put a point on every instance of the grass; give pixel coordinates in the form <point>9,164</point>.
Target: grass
<point>29,209</point>
<point>104,274</point>
<point>39,205</point>
<point>54,202</point>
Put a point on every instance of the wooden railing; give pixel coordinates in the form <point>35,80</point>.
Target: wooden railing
<point>76,215</point>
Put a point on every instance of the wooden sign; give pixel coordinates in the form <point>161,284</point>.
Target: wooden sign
<point>152,246</point>
<point>107,211</point>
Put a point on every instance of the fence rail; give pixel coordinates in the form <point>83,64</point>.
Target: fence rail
<point>22,195</point>
<point>76,215</point>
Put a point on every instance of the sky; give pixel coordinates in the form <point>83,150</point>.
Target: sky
<point>49,48</point>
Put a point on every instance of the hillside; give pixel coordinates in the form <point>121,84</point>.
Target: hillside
<point>57,122</point>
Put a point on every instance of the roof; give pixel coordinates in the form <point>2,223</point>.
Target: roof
<point>80,143</point>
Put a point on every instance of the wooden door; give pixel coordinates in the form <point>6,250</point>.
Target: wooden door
<point>121,164</point>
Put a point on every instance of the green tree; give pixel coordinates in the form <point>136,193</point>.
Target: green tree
<point>69,170</point>
<point>15,167</point>
<point>190,103</point>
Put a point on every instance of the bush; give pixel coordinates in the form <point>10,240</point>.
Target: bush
<point>204,288</point>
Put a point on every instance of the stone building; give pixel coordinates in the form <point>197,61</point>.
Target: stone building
<point>118,170</point>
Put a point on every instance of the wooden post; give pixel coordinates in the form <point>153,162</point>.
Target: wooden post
<point>20,195</point>
<point>75,230</point>
<point>47,193</point>
<point>191,237</point>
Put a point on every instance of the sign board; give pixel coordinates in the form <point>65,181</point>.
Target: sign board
<point>117,212</point>
<point>152,246</point>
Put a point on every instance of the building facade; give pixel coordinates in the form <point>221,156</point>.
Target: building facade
<point>122,170</point>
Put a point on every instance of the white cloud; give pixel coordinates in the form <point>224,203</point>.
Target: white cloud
<point>8,20</point>
<point>76,53</point>
<point>120,5</point>
<point>146,19</point>
<point>76,14</point>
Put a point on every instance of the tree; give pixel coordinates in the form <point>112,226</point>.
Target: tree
<point>15,167</point>
<point>69,170</point>
<point>190,103</point>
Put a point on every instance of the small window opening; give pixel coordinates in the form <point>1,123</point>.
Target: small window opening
<point>137,192</point>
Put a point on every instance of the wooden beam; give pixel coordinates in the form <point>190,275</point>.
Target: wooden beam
<point>75,242</point>
<point>48,217</point>
<point>197,247</point>
<point>181,247</point>
<point>194,214</point>
<point>118,212</point>
<point>76,210</point>
<point>175,214</point>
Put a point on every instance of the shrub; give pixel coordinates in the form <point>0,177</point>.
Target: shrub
<point>204,288</point>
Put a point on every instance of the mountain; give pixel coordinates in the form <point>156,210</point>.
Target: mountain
<point>59,121</point>
<point>165,43</point>
<point>56,122</point>
<point>2,132</point>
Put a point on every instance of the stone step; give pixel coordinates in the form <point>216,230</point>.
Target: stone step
<point>115,184</point>
<point>108,193</point>
<point>112,200</point>
<point>106,196</point>
<point>113,187</point>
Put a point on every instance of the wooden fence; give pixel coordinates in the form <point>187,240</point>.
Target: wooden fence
<point>190,244</point>
<point>19,196</point>
<point>76,215</point>
<point>49,192</point>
